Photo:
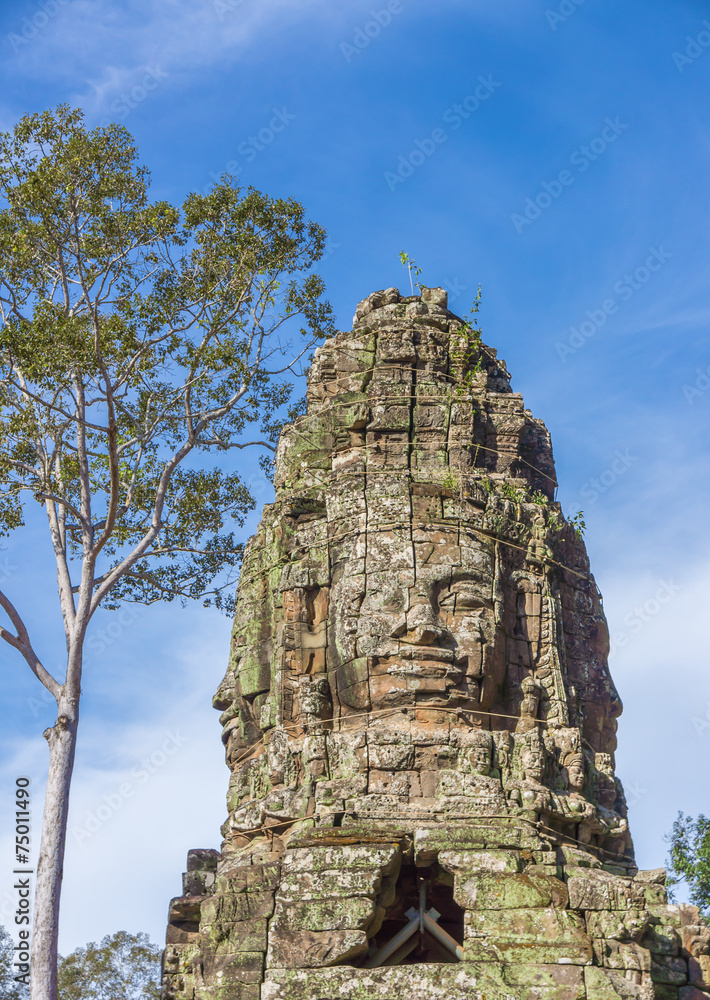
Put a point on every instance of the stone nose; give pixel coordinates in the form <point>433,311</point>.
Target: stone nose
<point>225,694</point>
<point>423,625</point>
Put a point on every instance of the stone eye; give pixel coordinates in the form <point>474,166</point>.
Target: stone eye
<point>467,602</point>
<point>462,600</point>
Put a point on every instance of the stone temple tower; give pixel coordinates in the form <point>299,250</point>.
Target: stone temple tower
<point>418,715</point>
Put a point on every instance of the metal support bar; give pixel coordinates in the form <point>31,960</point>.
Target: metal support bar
<point>419,920</point>
<point>440,934</point>
<point>391,947</point>
<point>402,953</point>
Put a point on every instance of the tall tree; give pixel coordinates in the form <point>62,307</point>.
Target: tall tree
<point>123,967</point>
<point>139,343</point>
<point>689,858</point>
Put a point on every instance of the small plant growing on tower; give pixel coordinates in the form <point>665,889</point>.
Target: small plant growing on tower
<point>467,355</point>
<point>578,524</point>
<point>510,491</point>
<point>487,485</point>
<point>411,265</point>
<point>451,480</point>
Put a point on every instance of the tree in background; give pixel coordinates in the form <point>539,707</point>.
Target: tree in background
<point>123,967</point>
<point>139,343</point>
<point>9,989</point>
<point>689,858</point>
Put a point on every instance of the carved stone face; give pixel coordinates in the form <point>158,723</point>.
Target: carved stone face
<point>533,762</point>
<point>226,701</point>
<point>480,760</point>
<point>475,751</point>
<point>423,629</point>
<point>575,772</point>
<point>531,698</point>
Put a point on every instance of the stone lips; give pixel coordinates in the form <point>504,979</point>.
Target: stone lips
<point>418,701</point>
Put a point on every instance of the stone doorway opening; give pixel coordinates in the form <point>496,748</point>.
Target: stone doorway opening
<point>423,925</point>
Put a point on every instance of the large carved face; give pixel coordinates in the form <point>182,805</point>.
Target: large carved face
<point>399,613</point>
<point>418,626</point>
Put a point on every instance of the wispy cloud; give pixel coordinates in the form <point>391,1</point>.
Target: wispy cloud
<point>131,824</point>
<point>101,50</point>
<point>138,775</point>
<point>665,685</point>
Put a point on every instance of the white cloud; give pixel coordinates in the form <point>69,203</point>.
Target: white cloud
<point>100,51</point>
<point>651,558</point>
<point>131,827</point>
<point>150,783</point>
<point>662,672</point>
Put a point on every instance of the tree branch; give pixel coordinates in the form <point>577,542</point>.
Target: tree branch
<point>22,643</point>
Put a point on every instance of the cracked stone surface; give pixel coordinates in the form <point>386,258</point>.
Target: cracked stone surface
<point>418,711</point>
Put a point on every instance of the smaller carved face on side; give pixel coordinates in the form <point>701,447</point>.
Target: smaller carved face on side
<point>314,700</point>
<point>532,758</point>
<point>477,751</point>
<point>533,763</point>
<point>481,760</point>
<point>532,693</point>
<point>605,784</point>
<point>574,767</point>
<point>566,746</point>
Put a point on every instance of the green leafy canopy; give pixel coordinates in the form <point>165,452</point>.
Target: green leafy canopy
<point>689,858</point>
<point>139,344</point>
<point>123,967</point>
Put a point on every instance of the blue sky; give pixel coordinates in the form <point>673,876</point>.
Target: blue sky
<point>556,153</point>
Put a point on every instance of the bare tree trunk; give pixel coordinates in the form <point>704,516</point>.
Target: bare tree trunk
<point>50,868</point>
